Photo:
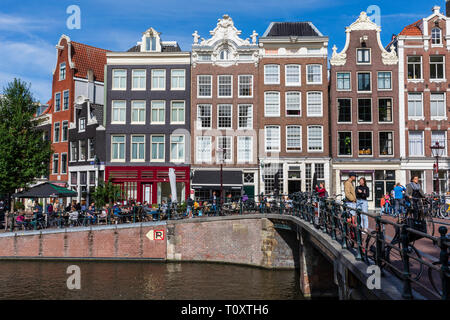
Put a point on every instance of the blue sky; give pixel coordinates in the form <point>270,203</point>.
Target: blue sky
<point>29,29</point>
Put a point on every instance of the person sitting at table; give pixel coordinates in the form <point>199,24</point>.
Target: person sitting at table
<point>90,215</point>
<point>20,220</point>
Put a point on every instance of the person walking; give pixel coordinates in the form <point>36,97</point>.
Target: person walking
<point>362,193</point>
<point>414,193</point>
<point>399,201</point>
<point>349,190</point>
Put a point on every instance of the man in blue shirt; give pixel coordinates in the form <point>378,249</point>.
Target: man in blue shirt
<point>399,200</point>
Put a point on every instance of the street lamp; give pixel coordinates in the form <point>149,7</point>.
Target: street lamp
<point>221,152</point>
<point>437,151</point>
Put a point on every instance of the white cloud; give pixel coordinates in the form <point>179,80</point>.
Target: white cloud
<point>24,25</point>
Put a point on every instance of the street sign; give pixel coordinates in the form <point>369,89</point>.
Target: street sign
<point>155,235</point>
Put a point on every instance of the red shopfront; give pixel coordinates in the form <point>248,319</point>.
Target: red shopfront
<point>149,184</point>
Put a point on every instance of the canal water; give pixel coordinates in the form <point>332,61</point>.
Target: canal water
<point>145,280</point>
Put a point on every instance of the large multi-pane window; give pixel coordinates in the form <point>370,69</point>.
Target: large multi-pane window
<point>82,125</point>
<point>314,74</point>
<point>436,36</point>
<point>439,136</point>
<point>314,104</point>
<point>158,148</point>
<point>91,148</point>
<point>66,100</point>
<point>138,112</point>
<point>177,148</point>
<point>55,163</point>
<point>364,110</point>
<point>178,79</point>
<point>204,149</point>
<point>385,110</point>
<point>315,138</point>
<point>344,106</point>
<point>137,148</point>
<point>117,148</point>
<point>158,79</point>
<point>83,150</point>
<point>58,101</point>
<point>343,81</point>
<point>384,80</point>
<point>139,79</point>
<point>272,135</point>
<point>271,74</point>
<point>245,86</point>
<point>365,143</point>
<point>437,105</point>
<point>386,143</point>
<point>204,116</point>
<point>415,67</point>
<point>245,149</point>
<point>224,115</point>
<point>293,138</point>
<point>437,67</point>
<point>245,120</point>
<point>158,112</point>
<point>363,56</point>
<point>269,170</point>
<point>415,105</point>
<point>64,163</point>
<point>62,71</point>
<point>118,112</point>
<point>344,143</point>
<point>204,86</point>
<point>65,131</point>
<point>271,104</point>
<point>225,148</point>
<point>293,104</point>
<point>364,81</point>
<point>119,79</point>
<point>56,131</point>
<point>225,86</point>
<point>74,151</point>
<point>293,75</point>
<point>177,112</point>
<point>415,139</point>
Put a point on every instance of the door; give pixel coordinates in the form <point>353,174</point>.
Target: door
<point>249,191</point>
<point>147,193</point>
<point>379,192</point>
<point>390,186</point>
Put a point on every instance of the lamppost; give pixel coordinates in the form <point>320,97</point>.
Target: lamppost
<point>437,151</point>
<point>220,152</point>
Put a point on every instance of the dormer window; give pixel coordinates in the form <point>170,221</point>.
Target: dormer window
<point>150,44</point>
<point>363,56</point>
<point>224,54</point>
<point>436,36</point>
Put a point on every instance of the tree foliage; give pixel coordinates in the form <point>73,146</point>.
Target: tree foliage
<point>106,193</point>
<point>24,154</point>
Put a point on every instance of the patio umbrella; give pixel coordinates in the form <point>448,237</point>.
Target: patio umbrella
<point>45,190</point>
<point>173,184</point>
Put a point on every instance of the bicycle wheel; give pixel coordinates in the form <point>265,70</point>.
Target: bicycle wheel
<point>435,278</point>
<point>430,225</point>
<point>395,259</point>
<point>370,249</point>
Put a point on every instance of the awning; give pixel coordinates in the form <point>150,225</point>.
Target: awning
<point>210,179</point>
<point>46,190</point>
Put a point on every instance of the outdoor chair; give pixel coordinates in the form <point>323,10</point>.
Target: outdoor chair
<point>73,219</point>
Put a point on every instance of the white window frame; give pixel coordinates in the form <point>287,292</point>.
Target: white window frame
<point>423,143</point>
<point>175,160</point>
<point>266,81</point>
<point>297,93</point>
<point>392,110</point>
<point>178,77</point>
<point>350,81</point>
<point>120,110</point>
<point>371,147</point>
<point>308,140</point>
<point>308,114</point>
<point>63,168</point>
<point>432,33</point>
<point>230,138</point>
<point>152,121</point>
<point>370,79</point>
<point>171,112</point>
<point>60,101</point>
<point>415,117</point>
<point>55,155</point>
<point>265,104</point>
<point>293,84</point>
<point>379,144</point>
<point>89,155</point>
<point>307,73</point>
<point>438,63</point>
<point>414,63</point>
<point>133,77</point>
<point>445,140</point>
<point>139,144</point>
<point>62,76</point>
<point>218,115</point>
<point>158,143</point>
<point>62,131</point>
<point>137,109</point>
<point>301,140</point>
<point>351,144</point>
<point>439,117</point>
<point>279,138</point>
<point>153,77</point>
<point>68,100</point>
<point>231,85</point>
<point>239,85</point>
<point>79,124</point>
<point>337,110</point>
<point>250,115</point>
<point>240,154</point>
<point>210,86</point>
<point>73,145</point>
<point>378,80</point>
<point>120,78</point>
<point>56,138</point>
<point>357,56</point>
<point>79,151</point>
<point>198,158</point>
<point>124,148</point>
<point>199,122</point>
<point>371,111</point>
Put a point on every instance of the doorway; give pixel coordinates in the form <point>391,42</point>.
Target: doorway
<point>147,193</point>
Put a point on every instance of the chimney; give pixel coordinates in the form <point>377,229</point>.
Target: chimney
<point>437,9</point>
<point>447,8</point>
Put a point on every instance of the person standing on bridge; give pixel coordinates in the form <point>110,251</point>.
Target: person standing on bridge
<point>362,193</point>
<point>350,195</point>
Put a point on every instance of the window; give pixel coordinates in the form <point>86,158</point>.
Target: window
<point>74,151</point>
<point>73,178</point>
<point>415,105</point>
<point>315,138</point>
<point>436,36</point>
<point>245,149</point>
<point>364,110</point>
<point>82,125</point>
<point>66,100</point>
<point>204,116</point>
<point>344,143</point>
<point>364,81</point>
<point>119,79</point>
<point>386,143</point>
<point>439,136</point>
<point>245,120</point>
<point>56,132</point>
<point>204,86</point>
<point>293,138</point>
<point>178,79</point>
<point>224,116</point>
<point>269,171</point>
<point>91,149</point>
<point>437,67</point>
<point>118,112</point>
<point>65,131</point>
<point>385,110</point>
<point>314,74</point>
<point>150,44</point>
<point>344,107</point>
<point>271,104</point>
<point>64,163</point>
<point>118,148</point>
<point>138,112</point>
<point>225,86</point>
<point>437,105</point>
<point>137,148</point>
<point>83,151</point>
<point>365,143</point>
<point>158,148</point>
<point>92,177</point>
<point>224,54</point>
<point>363,56</point>
<point>293,75</point>
<point>415,139</point>
<point>293,104</point>
<point>384,80</point>
<point>139,79</point>
<point>176,148</point>
<point>245,86</point>
<point>83,177</point>
<point>225,149</point>
<point>271,74</point>
<point>158,112</point>
<point>343,81</point>
<point>415,68</point>
<point>158,79</point>
<point>58,101</point>
<point>62,71</point>
<point>177,112</point>
<point>272,134</point>
<point>204,57</point>
<point>314,104</point>
<point>55,163</point>
<point>204,148</point>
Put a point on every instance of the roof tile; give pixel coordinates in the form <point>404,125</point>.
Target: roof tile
<point>87,58</point>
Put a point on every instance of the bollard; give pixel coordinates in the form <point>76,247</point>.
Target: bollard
<point>445,272</point>
<point>358,235</point>
<point>379,241</point>
<point>407,293</point>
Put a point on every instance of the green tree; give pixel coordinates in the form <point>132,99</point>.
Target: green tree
<point>24,155</point>
<point>106,193</point>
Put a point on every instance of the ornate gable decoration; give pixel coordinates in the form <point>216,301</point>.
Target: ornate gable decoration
<point>363,23</point>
